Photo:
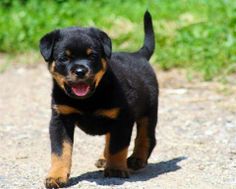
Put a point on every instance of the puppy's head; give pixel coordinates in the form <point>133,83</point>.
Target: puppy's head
<point>77,58</point>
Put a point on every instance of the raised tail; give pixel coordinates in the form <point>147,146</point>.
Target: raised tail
<point>149,37</point>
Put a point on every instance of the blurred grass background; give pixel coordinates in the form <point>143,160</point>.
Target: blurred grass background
<point>193,34</point>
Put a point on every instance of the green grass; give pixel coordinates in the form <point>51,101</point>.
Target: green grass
<point>192,34</point>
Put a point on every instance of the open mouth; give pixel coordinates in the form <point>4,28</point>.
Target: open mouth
<point>81,89</point>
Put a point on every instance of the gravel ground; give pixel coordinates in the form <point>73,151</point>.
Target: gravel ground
<point>196,136</point>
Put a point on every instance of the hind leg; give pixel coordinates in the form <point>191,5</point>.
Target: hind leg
<point>144,143</point>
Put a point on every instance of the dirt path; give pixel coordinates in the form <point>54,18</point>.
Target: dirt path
<point>196,136</point>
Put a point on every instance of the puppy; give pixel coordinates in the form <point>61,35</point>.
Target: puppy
<point>103,93</point>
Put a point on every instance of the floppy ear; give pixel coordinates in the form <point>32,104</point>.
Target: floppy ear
<point>47,43</point>
<point>106,43</point>
<point>104,40</point>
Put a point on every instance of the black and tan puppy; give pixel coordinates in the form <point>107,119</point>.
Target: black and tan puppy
<point>102,93</point>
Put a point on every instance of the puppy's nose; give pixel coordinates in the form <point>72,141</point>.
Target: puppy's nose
<point>81,71</point>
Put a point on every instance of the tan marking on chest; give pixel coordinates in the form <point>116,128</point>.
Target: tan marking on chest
<point>65,110</point>
<point>110,113</point>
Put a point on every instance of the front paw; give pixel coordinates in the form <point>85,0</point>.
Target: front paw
<point>112,172</point>
<point>56,182</point>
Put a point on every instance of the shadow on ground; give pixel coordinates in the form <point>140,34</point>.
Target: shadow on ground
<point>151,171</point>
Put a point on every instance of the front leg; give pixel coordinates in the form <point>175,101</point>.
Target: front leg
<point>61,135</point>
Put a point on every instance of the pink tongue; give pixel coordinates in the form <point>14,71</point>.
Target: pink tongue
<point>81,89</point>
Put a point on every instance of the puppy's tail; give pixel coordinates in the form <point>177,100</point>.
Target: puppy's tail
<point>149,37</point>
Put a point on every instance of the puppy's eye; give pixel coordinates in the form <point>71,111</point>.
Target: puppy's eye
<point>63,59</point>
<point>94,57</point>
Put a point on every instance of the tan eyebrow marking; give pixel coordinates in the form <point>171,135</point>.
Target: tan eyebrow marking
<point>89,51</point>
<point>68,53</point>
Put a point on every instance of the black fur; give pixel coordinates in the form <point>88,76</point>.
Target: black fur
<point>129,83</point>
<point>149,40</point>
